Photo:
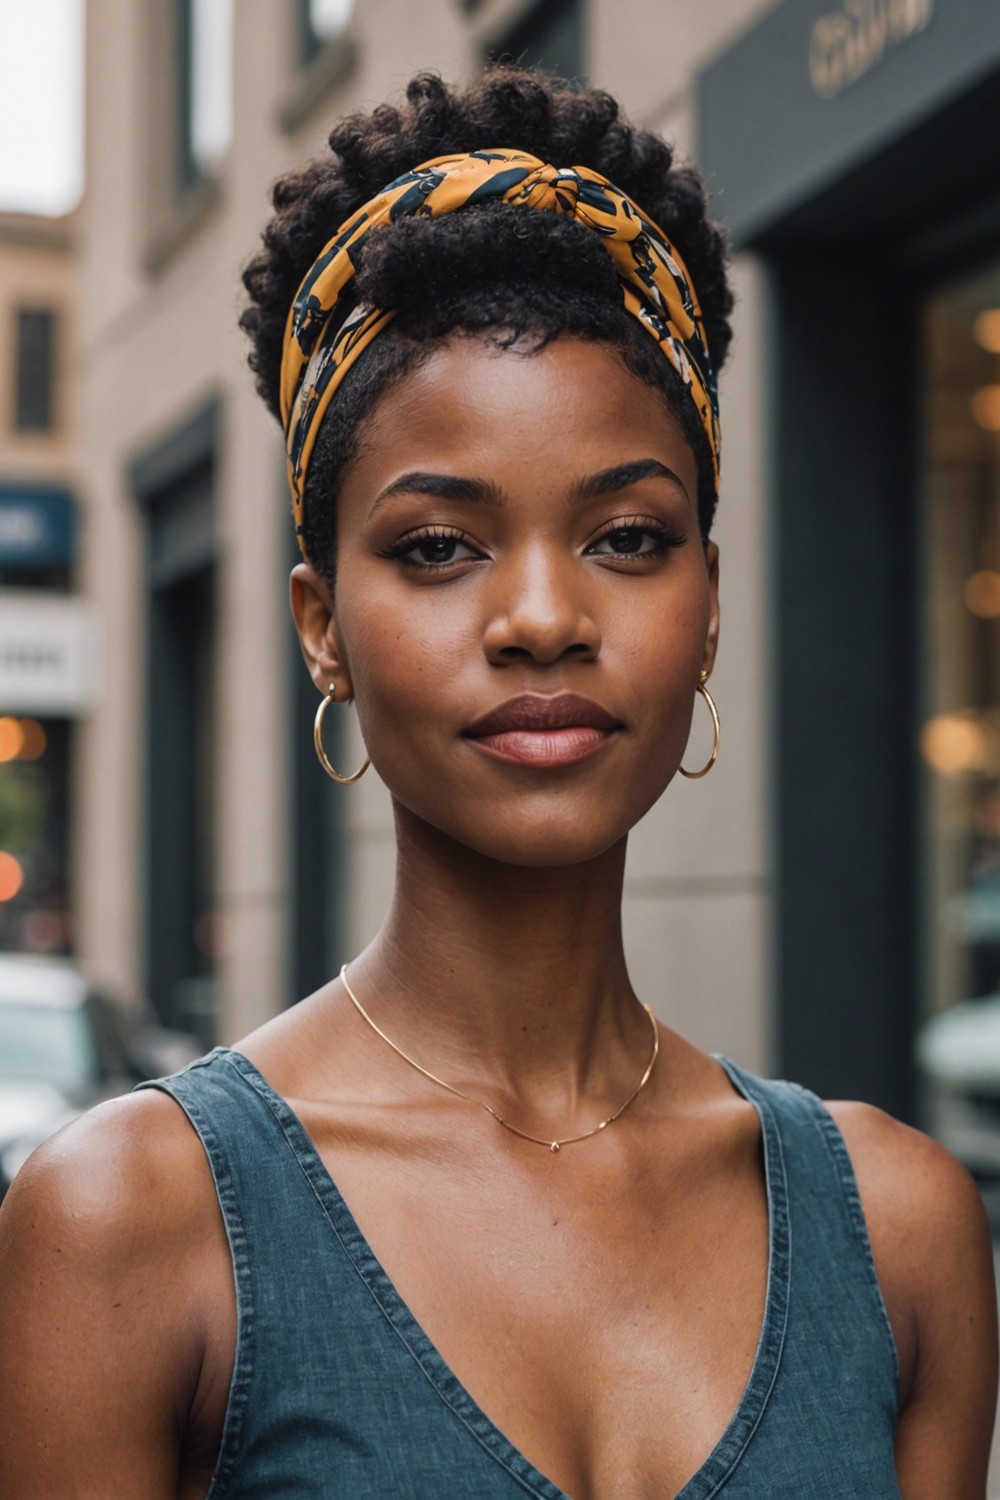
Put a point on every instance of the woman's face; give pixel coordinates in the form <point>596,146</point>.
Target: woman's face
<point>519,532</point>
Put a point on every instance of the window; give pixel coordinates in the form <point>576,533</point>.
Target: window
<point>175,484</point>
<point>34,374</point>
<point>322,21</point>
<point>551,37</point>
<point>324,53</point>
<point>960,735</point>
<point>205,93</point>
<point>35,914</point>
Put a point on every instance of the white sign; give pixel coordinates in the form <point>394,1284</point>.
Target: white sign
<point>847,43</point>
<point>49,653</point>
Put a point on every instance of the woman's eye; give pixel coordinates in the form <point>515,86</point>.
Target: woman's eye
<point>434,550</point>
<point>633,541</point>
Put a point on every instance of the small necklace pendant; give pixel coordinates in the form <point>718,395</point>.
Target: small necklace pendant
<point>554,1146</point>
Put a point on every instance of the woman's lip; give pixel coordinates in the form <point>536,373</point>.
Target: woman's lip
<point>545,747</point>
<point>541,713</point>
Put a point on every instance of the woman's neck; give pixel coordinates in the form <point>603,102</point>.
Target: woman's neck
<point>505,977</point>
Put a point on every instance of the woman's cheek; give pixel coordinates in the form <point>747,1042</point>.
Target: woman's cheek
<point>400,667</point>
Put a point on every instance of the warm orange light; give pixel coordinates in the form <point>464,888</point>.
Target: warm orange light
<point>982,594</point>
<point>11,739</point>
<point>35,739</point>
<point>986,330</point>
<point>986,407</point>
<point>11,876</point>
<point>953,743</point>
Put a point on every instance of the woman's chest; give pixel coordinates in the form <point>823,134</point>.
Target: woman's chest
<point>603,1314</point>
<point>599,1326</point>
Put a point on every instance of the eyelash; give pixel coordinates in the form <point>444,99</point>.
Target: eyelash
<point>665,537</point>
<point>407,543</point>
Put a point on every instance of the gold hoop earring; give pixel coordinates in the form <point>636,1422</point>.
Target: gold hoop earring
<point>331,697</point>
<point>703,690</point>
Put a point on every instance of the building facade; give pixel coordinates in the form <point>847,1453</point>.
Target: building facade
<point>809,904</point>
<point>865,179</point>
<point>48,645</point>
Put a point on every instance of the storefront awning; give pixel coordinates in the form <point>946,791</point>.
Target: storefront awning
<point>819,89</point>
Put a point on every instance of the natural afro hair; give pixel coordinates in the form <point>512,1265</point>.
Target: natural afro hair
<point>511,273</point>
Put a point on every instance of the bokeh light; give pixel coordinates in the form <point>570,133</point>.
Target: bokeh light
<point>21,739</point>
<point>982,593</point>
<point>954,743</point>
<point>986,330</point>
<point>986,407</point>
<point>11,876</point>
<point>11,739</point>
<point>35,740</point>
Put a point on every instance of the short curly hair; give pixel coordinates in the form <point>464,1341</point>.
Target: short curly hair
<point>511,274</point>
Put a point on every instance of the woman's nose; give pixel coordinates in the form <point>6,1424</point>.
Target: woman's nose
<point>539,609</point>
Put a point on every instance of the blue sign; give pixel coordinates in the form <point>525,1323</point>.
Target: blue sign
<point>37,527</point>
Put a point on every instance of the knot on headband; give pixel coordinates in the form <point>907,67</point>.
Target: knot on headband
<point>320,346</point>
<point>549,187</point>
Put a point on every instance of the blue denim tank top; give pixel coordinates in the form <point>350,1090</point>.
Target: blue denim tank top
<point>338,1393</point>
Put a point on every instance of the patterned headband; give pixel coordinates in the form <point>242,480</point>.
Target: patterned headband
<point>321,347</point>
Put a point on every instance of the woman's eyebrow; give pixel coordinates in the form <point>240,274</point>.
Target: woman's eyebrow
<point>444,486</point>
<point>481,491</point>
<point>622,475</point>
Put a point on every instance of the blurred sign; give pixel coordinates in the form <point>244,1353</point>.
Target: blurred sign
<point>848,42</point>
<point>818,116</point>
<point>37,528</point>
<point>49,653</point>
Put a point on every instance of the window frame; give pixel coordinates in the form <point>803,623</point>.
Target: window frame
<point>320,65</point>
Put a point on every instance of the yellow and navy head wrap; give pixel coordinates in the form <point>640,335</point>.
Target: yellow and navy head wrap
<point>321,347</point>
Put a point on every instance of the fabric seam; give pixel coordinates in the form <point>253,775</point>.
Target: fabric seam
<point>780,1256</point>
<point>837,1149</point>
<point>243,1361</point>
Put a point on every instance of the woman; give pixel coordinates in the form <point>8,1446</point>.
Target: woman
<point>467,1222</point>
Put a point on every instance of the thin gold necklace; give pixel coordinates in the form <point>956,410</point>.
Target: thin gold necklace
<point>568,1140</point>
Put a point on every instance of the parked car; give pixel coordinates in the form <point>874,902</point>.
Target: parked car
<point>63,1048</point>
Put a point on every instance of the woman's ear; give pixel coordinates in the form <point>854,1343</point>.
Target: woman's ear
<point>712,638</point>
<point>312,611</point>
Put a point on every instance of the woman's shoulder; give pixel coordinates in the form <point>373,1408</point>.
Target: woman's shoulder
<point>904,1176</point>
<point>123,1184</point>
<point>933,1253</point>
<point>911,1185</point>
<point>116,1301</point>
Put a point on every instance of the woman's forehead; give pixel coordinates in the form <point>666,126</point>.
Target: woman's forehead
<point>574,401</point>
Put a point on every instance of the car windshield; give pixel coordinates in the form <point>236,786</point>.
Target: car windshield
<point>45,1044</point>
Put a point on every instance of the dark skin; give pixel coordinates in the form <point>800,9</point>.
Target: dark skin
<point>500,966</point>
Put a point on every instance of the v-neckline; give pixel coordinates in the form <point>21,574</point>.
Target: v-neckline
<point>728,1451</point>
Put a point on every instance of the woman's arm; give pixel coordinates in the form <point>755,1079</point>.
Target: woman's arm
<point>934,1257</point>
<point>102,1330</point>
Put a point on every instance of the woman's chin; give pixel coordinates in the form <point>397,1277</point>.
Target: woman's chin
<point>540,839</point>
<point>544,853</point>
